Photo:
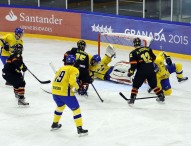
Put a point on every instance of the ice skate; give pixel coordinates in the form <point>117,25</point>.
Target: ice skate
<point>22,102</point>
<point>132,99</point>
<point>55,126</point>
<point>81,131</point>
<point>8,84</point>
<point>183,79</point>
<point>160,98</point>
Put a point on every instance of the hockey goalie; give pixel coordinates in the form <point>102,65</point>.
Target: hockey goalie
<point>100,69</point>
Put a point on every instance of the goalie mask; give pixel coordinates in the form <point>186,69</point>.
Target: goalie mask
<point>95,60</point>
<point>81,45</point>
<point>137,42</point>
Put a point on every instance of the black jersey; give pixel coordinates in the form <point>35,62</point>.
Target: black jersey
<point>14,64</point>
<point>82,60</point>
<point>142,59</point>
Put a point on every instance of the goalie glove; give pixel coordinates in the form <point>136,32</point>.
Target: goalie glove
<point>110,51</point>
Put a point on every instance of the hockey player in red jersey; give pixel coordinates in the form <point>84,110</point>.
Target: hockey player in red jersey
<point>141,59</point>
<point>12,73</point>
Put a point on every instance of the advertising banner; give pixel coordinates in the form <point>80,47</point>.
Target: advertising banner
<point>169,37</point>
<point>45,22</point>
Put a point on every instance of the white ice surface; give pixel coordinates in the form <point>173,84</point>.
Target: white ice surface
<point>111,123</point>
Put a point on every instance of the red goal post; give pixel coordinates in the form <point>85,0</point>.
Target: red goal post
<point>121,40</point>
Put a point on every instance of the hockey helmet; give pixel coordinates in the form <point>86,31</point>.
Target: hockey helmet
<point>19,33</point>
<point>137,41</point>
<point>81,45</point>
<point>73,51</point>
<point>70,59</point>
<point>95,59</point>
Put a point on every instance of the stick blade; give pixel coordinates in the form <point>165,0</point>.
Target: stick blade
<point>45,82</point>
<point>121,94</point>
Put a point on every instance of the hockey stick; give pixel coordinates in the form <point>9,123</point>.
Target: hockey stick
<point>46,91</point>
<point>54,70</point>
<point>97,93</point>
<point>42,82</point>
<point>52,67</point>
<point>122,95</point>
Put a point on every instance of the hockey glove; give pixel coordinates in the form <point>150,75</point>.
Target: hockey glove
<point>130,73</point>
<point>82,91</point>
<point>24,68</point>
<point>168,60</point>
<point>6,46</point>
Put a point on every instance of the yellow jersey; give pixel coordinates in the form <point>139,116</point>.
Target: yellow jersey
<point>65,80</point>
<point>11,40</point>
<point>101,69</point>
<point>163,72</point>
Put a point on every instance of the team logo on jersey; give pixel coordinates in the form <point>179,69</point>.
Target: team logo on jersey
<point>11,16</point>
<point>101,29</point>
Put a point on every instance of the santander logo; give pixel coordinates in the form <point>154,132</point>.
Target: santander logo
<point>11,16</point>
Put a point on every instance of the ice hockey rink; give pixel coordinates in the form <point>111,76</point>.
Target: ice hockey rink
<point>111,123</point>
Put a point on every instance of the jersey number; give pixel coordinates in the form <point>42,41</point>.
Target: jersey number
<point>146,57</point>
<point>60,76</point>
<point>80,56</point>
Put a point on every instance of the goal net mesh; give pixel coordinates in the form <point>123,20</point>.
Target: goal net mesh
<point>120,40</point>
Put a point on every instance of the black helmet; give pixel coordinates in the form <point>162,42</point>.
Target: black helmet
<point>137,42</point>
<point>17,49</point>
<point>81,45</point>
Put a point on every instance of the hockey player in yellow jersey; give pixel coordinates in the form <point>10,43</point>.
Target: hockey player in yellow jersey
<point>164,70</point>
<point>100,67</point>
<point>63,87</point>
<point>8,42</point>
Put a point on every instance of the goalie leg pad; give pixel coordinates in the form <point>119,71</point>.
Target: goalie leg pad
<point>122,66</point>
<point>121,77</point>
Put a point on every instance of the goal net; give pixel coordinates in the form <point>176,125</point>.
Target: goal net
<point>121,40</point>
